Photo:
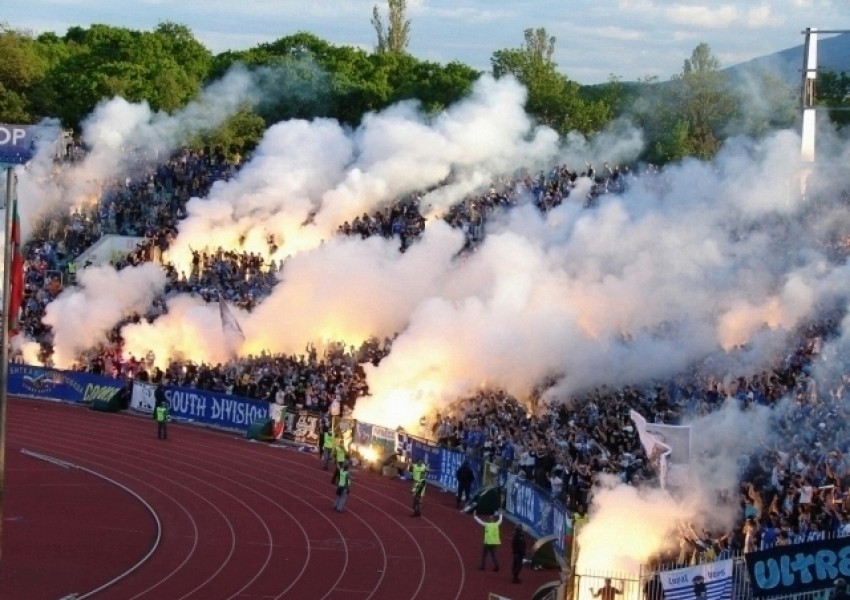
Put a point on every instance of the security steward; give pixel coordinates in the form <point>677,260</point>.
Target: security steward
<point>417,471</point>
<point>418,493</point>
<point>160,415</point>
<point>340,453</point>
<point>327,448</point>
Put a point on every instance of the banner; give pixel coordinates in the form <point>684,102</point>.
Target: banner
<point>534,508</point>
<point>656,451</point>
<point>202,406</point>
<point>277,413</point>
<point>67,386</point>
<point>363,434</point>
<point>798,568</point>
<point>708,581</point>
<point>678,438</point>
<point>18,143</point>
<point>306,428</point>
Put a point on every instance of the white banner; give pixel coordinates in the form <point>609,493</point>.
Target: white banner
<point>277,414</point>
<point>709,581</point>
<point>657,451</point>
<point>678,437</point>
<point>142,399</point>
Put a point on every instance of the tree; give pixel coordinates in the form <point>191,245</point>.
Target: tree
<point>395,38</point>
<point>688,115</point>
<point>834,92</point>
<point>236,136</point>
<point>165,67</point>
<point>22,67</point>
<point>702,98</point>
<point>552,98</point>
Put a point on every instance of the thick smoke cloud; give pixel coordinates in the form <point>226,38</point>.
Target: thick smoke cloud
<point>82,316</point>
<point>122,136</point>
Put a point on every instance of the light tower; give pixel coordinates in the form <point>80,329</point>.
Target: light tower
<point>808,102</point>
<point>807,97</point>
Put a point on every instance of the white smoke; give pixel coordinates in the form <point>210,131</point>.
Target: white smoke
<point>122,136</point>
<point>82,316</point>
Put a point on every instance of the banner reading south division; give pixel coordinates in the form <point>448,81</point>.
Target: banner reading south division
<point>798,568</point>
<point>708,581</point>
<point>202,406</point>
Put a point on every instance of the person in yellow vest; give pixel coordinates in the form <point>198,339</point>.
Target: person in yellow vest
<point>418,492</point>
<point>418,471</point>
<point>72,271</point>
<point>327,448</point>
<point>160,415</point>
<point>339,452</point>
<point>492,540</point>
<point>343,487</point>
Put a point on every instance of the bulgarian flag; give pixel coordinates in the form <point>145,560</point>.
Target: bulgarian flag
<point>16,277</point>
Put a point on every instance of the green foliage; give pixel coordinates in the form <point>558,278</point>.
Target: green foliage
<point>688,115</point>
<point>23,66</point>
<point>833,91</point>
<point>237,136</point>
<point>307,77</point>
<point>165,67</point>
<point>553,99</point>
<point>395,37</point>
<point>303,76</point>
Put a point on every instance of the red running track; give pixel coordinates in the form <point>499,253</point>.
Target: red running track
<point>210,515</point>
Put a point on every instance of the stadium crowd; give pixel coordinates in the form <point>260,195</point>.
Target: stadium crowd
<point>795,489</point>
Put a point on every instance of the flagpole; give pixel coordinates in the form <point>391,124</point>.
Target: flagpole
<point>4,338</point>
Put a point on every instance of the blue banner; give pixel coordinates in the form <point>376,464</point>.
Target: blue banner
<point>18,142</point>
<point>67,386</point>
<point>212,408</point>
<point>534,508</point>
<point>442,463</point>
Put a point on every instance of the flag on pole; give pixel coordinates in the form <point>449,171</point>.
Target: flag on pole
<point>16,277</point>
<point>229,324</point>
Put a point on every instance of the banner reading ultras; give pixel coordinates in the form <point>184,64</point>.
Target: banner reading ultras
<point>798,568</point>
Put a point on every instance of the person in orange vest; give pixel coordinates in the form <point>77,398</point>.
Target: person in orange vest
<point>492,540</point>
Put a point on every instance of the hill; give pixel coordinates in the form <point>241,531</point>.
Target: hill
<point>833,54</point>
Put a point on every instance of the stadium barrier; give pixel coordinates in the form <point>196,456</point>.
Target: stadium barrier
<point>523,502</point>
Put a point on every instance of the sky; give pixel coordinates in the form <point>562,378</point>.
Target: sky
<point>595,38</point>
